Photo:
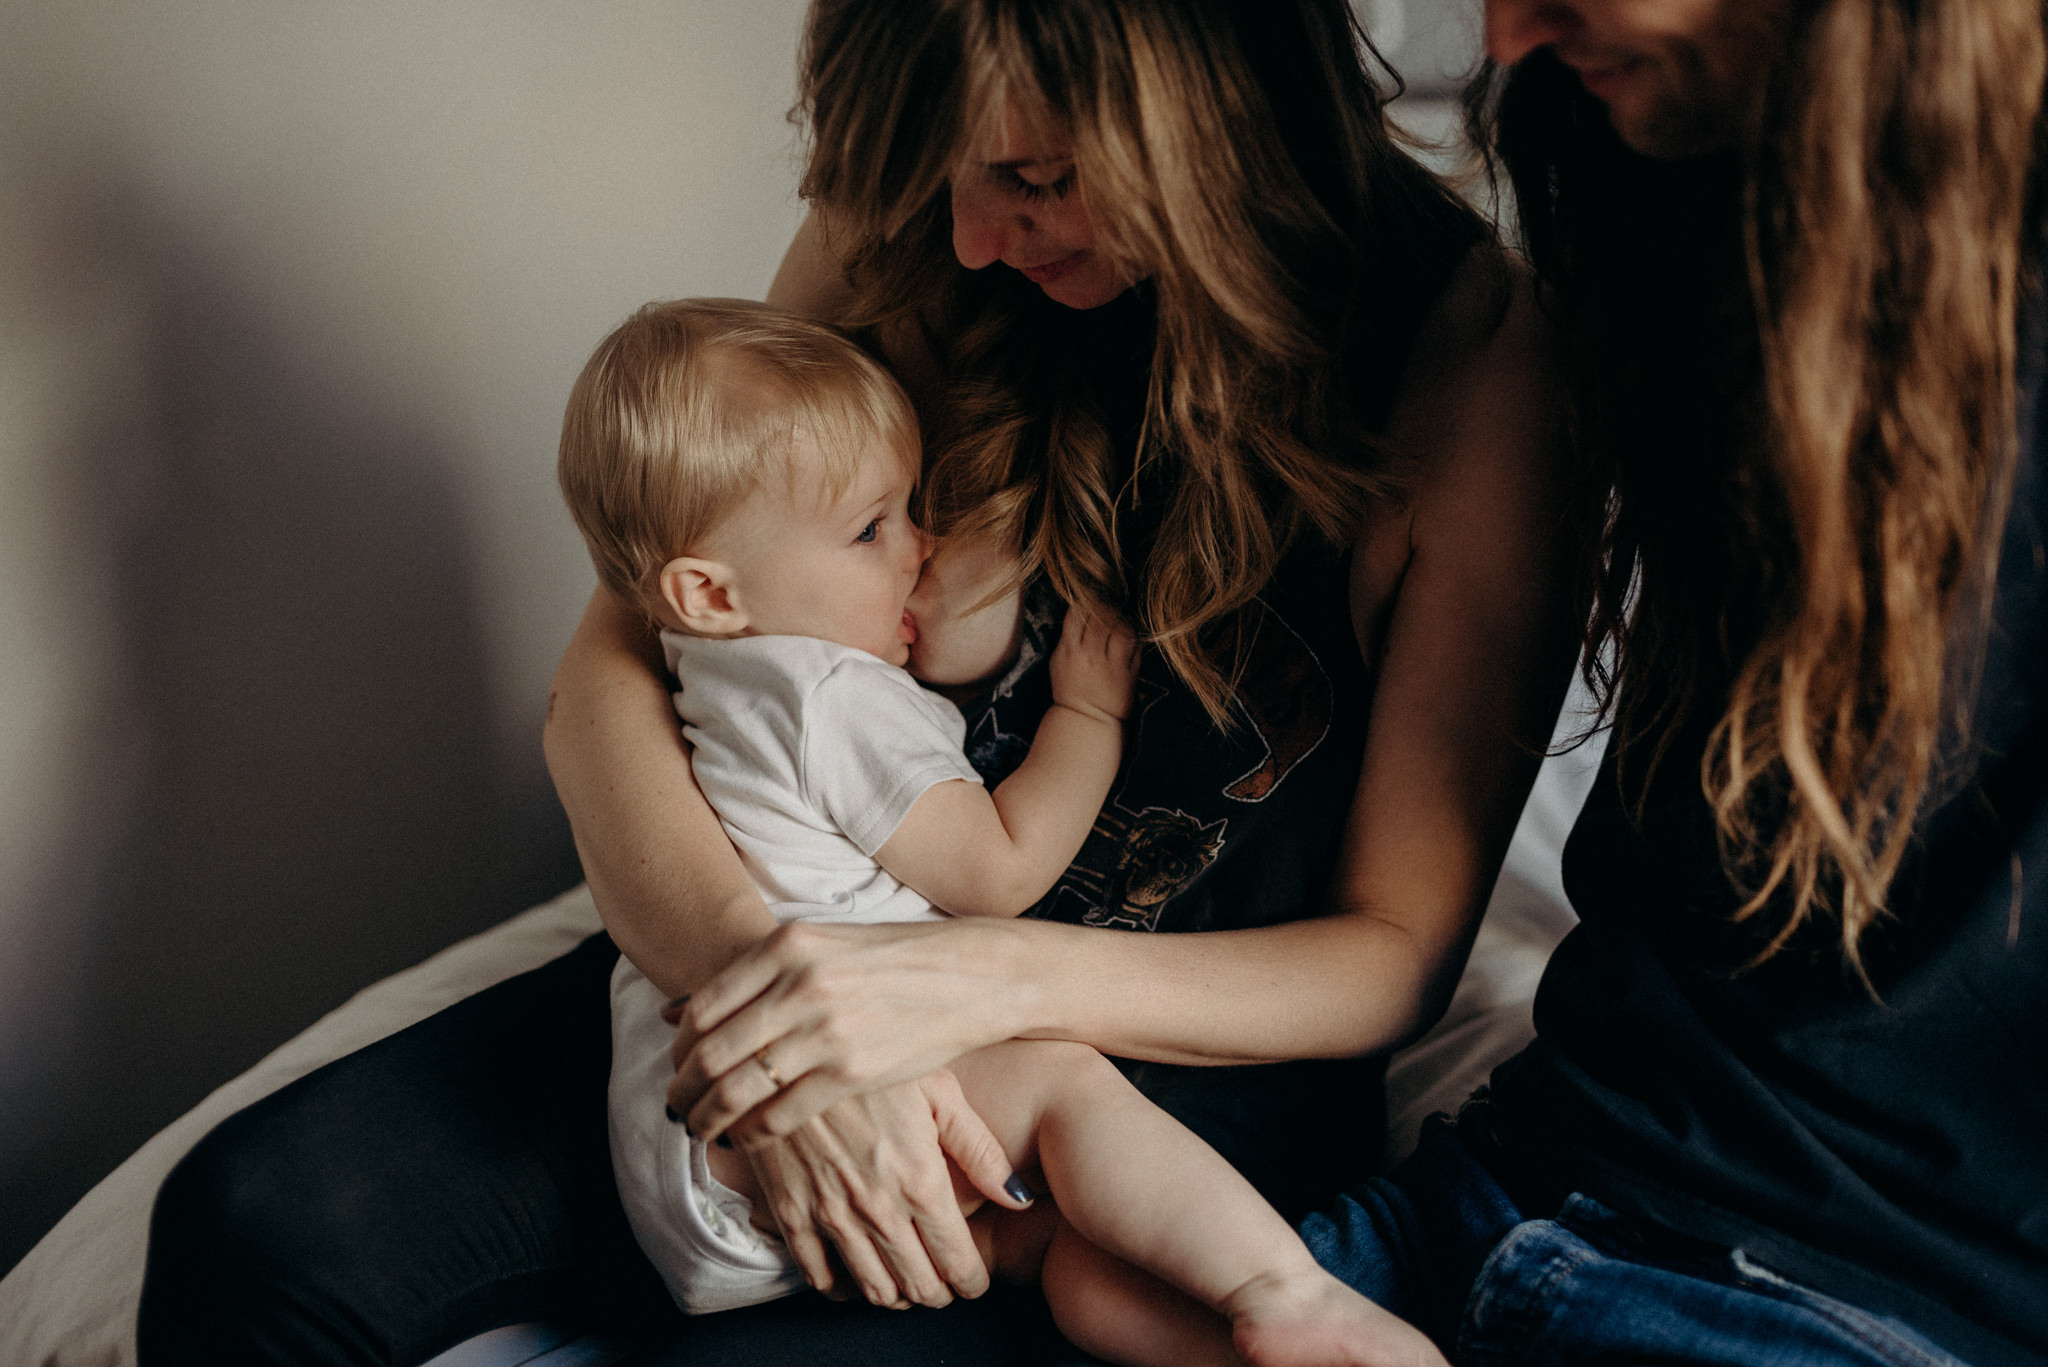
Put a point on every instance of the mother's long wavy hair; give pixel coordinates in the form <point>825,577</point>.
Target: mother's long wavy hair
<point>1234,153</point>
<point>1800,364</point>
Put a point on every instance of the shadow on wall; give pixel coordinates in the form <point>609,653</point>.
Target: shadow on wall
<point>292,785</point>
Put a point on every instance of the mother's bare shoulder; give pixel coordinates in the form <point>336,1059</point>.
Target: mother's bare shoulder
<point>1483,394</point>
<point>1480,414</point>
<point>812,280</point>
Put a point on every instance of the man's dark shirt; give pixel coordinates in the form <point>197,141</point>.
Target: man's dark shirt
<point>1889,1148</point>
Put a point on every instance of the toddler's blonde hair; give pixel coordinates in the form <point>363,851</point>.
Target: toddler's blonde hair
<point>692,405</point>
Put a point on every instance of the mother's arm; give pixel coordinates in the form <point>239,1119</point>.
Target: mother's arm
<point>1462,601</point>
<point>665,877</point>
<point>662,871</point>
<point>868,1175</point>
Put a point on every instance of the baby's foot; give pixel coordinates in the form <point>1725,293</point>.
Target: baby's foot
<point>1311,1319</point>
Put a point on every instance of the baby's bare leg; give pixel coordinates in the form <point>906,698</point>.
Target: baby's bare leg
<point>1141,1195</point>
<point>1109,1307</point>
<point>1129,1177</point>
<point>1120,1313</point>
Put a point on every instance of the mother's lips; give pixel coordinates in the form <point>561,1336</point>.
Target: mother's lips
<point>1050,271</point>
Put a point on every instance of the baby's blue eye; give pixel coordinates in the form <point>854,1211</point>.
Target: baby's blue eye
<point>867,533</point>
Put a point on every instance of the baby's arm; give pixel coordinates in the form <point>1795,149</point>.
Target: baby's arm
<point>977,853</point>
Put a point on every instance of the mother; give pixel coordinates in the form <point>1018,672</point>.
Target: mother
<point>1192,340</point>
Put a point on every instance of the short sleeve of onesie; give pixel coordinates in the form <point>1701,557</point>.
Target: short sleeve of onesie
<point>874,742</point>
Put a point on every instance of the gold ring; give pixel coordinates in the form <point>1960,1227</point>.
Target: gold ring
<point>761,1057</point>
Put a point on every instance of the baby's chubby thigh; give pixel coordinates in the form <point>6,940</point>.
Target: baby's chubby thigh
<point>1035,1096</point>
<point>1020,1086</point>
<point>736,1173</point>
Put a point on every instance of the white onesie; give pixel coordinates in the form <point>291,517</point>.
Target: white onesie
<point>811,754</point>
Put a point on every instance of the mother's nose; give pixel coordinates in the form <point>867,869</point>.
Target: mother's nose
<point>984,230</point>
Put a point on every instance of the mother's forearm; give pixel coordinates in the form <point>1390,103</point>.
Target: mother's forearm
<point>665,878</point>
<point>1333,987</point>
<point>843,1009</point>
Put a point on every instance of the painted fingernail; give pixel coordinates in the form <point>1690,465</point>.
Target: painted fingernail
<point>1017,1189</point>
<point>675,1003</point>
<point>675,1117</point>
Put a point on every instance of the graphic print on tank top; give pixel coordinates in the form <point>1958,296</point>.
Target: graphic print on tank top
<point>1190,802</point>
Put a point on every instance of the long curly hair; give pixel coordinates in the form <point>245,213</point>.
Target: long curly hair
<point>1234,154</point>
<point>1799,376</point>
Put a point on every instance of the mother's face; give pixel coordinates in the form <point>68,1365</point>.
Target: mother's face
<point>1017,201</point>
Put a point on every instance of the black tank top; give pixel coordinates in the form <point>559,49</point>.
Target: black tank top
<point>1892,1151</point>
<point>1207,830</point>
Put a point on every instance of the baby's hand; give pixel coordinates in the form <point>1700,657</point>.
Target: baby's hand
<point>1095,666</point>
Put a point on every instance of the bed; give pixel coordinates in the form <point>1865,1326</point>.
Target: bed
<point>71,1302</point>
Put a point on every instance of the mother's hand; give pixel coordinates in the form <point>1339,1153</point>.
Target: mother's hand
<point>815,1014</point>
<point>869,1178</point>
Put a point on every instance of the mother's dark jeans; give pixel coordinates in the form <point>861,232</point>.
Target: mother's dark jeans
<point>327,1223</point>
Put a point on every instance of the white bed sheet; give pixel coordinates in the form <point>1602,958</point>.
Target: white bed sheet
<point>71,1302</point>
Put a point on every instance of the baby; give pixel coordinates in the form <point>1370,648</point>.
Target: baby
<point>744,475</point>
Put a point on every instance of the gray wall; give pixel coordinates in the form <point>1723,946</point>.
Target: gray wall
<point>1434,44</point>
<point>290,296</point>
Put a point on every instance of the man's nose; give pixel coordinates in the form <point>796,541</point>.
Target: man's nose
<point>1516,28</point>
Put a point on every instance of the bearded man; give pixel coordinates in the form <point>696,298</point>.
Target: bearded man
<point>1789,1094</point>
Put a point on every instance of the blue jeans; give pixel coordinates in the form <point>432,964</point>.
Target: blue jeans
<point>1442,1245</point>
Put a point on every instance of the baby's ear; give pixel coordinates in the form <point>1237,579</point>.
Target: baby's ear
<point>700,593</point>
